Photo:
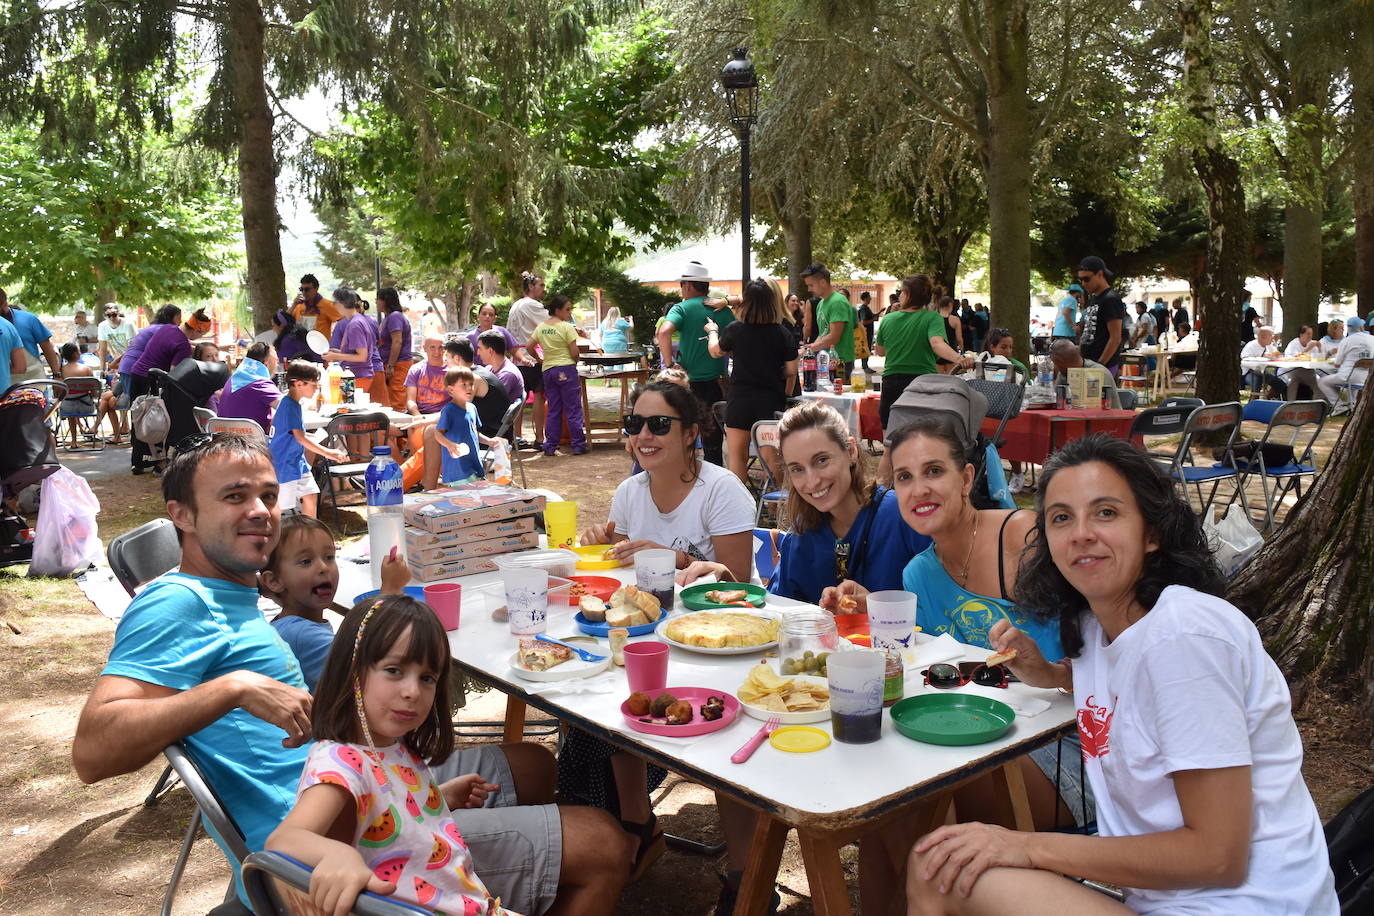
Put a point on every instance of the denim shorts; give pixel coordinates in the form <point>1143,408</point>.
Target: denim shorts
<point>1073,786</point>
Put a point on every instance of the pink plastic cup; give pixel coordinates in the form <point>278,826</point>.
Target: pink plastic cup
<point>646,666</point>
<point>446,598</point>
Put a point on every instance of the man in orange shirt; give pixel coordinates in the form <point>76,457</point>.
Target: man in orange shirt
<point>313,310</point>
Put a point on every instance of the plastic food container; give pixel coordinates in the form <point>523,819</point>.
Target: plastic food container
<point>805,640</point>
<point>556,561</point>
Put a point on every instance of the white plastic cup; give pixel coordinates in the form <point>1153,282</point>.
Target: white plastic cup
<point>527,600</point>
<point>654,571</point>
<point>361,398</point>
<point>856,695</point>
<point>892,619</point>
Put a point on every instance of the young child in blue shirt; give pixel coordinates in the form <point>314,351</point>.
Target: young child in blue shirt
<point>457,432</point>
<point>289,442</point>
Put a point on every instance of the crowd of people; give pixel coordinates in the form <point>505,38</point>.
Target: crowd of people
<point>317,740</point>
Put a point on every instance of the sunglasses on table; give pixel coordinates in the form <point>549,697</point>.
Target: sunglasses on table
<point>659,424</point>
<point>947,677</point>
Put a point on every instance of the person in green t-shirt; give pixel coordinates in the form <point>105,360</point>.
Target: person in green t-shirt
<point>835,319</point>
<point>909,339</point>
<point>703,370</point>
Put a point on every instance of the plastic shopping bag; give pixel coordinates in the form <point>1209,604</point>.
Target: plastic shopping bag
<point>500,463</point>
<point>65,539</point>
<point>1234,539</point>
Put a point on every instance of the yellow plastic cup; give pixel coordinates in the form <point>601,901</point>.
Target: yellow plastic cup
<point>560,523</point>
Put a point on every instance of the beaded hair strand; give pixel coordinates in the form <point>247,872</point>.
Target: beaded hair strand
<point>357,683</point>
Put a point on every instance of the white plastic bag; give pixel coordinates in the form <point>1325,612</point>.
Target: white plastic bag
<point>1234,539</point>
<point>66,538</point>
<point>500,463</point>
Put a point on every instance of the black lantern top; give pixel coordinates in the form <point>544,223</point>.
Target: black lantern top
<point>741,86</point>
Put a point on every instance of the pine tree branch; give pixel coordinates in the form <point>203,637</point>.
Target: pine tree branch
<point>282,110</point>
<point>971,40</point>
<point>949,114</point>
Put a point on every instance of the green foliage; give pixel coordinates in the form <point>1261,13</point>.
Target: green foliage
<point>644,305</point>
<point>153,229</point>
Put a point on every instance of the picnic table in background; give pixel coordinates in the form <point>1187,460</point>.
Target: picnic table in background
<point>860,411</point>
<point>1033,435</point>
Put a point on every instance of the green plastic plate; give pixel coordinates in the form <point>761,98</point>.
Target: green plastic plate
<point>694,597</point>
<point>952,718</point>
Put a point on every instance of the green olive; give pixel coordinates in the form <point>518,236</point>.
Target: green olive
<point>810,665</point>
<point>789,666</point>
<point>822,657</point>
<point>808,654</point>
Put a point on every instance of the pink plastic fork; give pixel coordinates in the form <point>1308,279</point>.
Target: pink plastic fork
<point>753,743</point>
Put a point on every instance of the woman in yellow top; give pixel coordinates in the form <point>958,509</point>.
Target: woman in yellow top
<point>557,338</point>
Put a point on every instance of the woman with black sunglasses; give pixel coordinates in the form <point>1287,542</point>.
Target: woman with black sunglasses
<point>1187,728</point>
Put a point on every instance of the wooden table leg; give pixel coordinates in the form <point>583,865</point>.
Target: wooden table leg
<point>824,874</point>
<point>765,856</point>
<point>1010,789</point>
<point>515,721</point>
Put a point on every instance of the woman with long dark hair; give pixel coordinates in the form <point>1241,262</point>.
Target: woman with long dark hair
<point>1187,729</point>
<point>394,346</point>
<point>762,368</point>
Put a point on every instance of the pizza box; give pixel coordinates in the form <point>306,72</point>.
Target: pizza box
<point>465,550</point>
<point>418,539</point>
<point>448,569</point>
<point>465,505</point>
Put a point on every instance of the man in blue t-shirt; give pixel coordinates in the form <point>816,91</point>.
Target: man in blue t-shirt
<point>36,338</point>
<point>13,362</point>
<point>195,661</point>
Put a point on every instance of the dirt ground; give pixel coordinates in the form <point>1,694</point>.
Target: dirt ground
<point>67,847</point>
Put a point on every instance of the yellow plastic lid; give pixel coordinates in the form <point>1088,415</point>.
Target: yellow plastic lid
<point>799,739</point>
<point>590,556</point>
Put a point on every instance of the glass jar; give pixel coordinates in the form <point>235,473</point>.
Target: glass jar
<point>805,641</point>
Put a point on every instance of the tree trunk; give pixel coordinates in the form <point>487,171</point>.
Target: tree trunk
<point>1218,298</point>
<point>1362,116</point>
<point>1302,232</point>
<point>257,167</point>
<point>1308,589</point>
<point>1007,168</point>
<point>796,234</point>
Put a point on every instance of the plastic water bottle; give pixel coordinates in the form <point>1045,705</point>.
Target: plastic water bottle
<point>385,521</point>
<point>858,382</point>
<point>823,370</point>
<point>1045,368</point>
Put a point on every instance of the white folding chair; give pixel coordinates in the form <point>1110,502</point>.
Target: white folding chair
<point>240,425</point>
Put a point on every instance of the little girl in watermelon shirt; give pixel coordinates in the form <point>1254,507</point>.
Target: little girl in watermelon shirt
<point>369,814</point>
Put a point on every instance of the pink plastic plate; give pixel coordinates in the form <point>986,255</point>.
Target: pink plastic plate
<point>698,726</point>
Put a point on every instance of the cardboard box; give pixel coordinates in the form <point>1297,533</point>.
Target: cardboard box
<point>430,572</point>
<point>466,505</point>
<point>1085,387</point>
<point>484,548</point>
<point>418,539</point>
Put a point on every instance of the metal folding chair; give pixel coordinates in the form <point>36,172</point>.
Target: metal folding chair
<point>210,811</point>
<point>1166,420</point>
<point>1288,419</point>
<point>139,556</point>
<point>240,425</point>
<point>767,551</point>
<point>765,434</point>
<point>1210,419</point>
<point>373,427</point>
<point>278,885</point>
<point>203,415</point>
<point>80,405</point>
<point>510,422</point>
<point>1353,389</point>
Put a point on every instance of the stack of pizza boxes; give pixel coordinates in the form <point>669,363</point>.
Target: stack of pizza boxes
<point>457,530</point>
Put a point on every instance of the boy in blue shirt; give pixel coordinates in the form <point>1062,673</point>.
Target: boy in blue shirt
<point>457,432</point>
<point>289,442</point>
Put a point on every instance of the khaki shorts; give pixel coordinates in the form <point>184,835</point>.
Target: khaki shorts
<point>517,849</point>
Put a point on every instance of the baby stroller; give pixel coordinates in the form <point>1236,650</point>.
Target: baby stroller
<point>963,406</point>
<point>29,455</point>
<point>189,385</point>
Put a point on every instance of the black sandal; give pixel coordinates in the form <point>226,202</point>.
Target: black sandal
<point>652,845</point>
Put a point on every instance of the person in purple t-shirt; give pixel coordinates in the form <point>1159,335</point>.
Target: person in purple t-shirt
<point>491,352</point>
<point>165,345</point>
<point>394,346</point>
<point>250,393</point>
<point>353,340</point>
<point>486,321</point>
<point>426,397</point>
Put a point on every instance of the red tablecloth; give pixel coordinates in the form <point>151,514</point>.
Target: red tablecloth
<point>1033,434</point>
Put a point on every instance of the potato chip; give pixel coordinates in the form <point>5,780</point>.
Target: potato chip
<point>768,691</point>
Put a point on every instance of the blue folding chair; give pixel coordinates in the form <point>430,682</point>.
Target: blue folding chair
<point>1210,419</point>
<point>1290,420</point>
<point>764,434</point>
<point>767,550</point>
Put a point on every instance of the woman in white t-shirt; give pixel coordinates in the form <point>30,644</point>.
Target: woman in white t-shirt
<point>1186,724</point>
<point>700,510</point>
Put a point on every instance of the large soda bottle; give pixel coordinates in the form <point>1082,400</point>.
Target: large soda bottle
<point>347,383</point>
<point>385,522</point>
<point>823,370</point>
<point>333,391</point>
<point>808,370</point>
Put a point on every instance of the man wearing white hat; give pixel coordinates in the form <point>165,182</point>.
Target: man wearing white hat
<point>703,370</point>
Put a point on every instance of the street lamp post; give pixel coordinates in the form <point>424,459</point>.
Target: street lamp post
<point>741,87</point>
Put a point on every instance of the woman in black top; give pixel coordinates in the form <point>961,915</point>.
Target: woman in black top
<point>762,371</point>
